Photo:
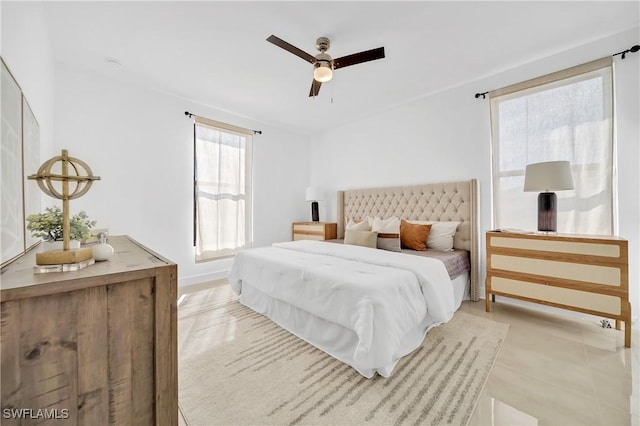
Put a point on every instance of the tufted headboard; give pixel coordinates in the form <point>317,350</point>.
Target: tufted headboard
<point>450,201</point>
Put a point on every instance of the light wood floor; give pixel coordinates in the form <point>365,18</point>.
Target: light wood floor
<point>555,369</point>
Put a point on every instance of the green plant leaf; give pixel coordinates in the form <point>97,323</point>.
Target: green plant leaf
<point>48,225</point>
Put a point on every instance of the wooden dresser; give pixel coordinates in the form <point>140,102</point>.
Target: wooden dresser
<point>314,231</point>
<point>94,346</point>
<point>585,273</point>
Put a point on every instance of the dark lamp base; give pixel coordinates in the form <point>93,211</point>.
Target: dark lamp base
<point>315,216</point>
<point>547,218</point>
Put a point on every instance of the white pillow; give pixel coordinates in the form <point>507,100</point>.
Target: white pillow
<point>358,226</point>
<point>386,226</point>
<point>441,235</point>
<point>361,238</point>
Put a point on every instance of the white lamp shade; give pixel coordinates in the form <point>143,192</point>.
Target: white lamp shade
<point>548,176</point>
<point>314,194</point>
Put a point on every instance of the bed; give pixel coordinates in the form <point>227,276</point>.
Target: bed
<point>366,307</point>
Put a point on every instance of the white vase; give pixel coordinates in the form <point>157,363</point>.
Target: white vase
<point>102,250</point>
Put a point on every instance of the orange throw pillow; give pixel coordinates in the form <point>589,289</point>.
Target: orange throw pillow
<point>414,236</point>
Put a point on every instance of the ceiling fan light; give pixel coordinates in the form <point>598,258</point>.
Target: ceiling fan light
<point>322,73</point>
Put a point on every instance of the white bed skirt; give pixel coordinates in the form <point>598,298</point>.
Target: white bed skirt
<point>461,288</point>
<point>334,339</point>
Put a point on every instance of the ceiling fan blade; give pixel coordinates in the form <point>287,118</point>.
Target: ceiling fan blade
<point>315,88</point>
<point>291,48</point>
<point>358,58</point>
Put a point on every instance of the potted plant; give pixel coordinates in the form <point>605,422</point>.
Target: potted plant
<point>48,225</point>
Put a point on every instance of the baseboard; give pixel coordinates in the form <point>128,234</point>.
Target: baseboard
<point>198,279</point>
<point>192,288</point>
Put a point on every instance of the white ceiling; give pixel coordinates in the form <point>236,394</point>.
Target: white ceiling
<point>215,53</point>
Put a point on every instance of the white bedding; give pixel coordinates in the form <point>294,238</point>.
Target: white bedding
<point>368,307</point>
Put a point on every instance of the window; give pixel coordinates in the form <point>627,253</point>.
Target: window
<point>222,189</point>
<point>562,116</point>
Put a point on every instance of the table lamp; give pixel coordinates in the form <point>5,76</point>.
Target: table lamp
<point>545,178</point>
<point>314,194</point>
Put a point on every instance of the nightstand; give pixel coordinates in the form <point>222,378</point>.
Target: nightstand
<point>584,273</point>
<point>314,231</point>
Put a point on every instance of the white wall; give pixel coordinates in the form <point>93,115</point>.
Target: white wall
<point>26,50</point>
<point>446,136</point>
<point>627,93</point>
<point>140,143</point>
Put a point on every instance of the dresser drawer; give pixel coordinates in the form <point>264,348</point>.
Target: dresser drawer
<point>314,231</point>
<point>597,248</point>
<point>596,274</point>
<point>584,300</point>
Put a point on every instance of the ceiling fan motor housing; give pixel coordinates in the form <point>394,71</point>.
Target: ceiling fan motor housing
<point>322,59</point>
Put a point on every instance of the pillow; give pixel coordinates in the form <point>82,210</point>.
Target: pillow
<point>360,238</point>
<point>441,234</point>
<point>357,226</point>
<point>388,233</point>
<point>414,236</point>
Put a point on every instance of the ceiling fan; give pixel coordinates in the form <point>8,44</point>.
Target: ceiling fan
<point>323,64</point>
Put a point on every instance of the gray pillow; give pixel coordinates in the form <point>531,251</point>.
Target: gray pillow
<point>389,242</point>
<point>361,238</point>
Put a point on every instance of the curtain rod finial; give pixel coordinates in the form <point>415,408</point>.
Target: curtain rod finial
<point>623,54</point>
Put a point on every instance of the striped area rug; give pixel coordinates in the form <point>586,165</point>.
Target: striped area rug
<point>236,367</point>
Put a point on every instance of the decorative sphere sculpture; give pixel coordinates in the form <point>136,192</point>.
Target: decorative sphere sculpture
<point>73,170</point>
<point>75,179</point>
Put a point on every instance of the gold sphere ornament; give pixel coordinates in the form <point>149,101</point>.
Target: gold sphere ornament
<point>73,171</point>
<point>65,178</point>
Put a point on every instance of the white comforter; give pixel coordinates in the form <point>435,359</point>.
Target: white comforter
<point>388,300</point>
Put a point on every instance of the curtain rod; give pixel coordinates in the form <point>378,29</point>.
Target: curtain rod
<point>255,132</point>
<point>632,49</point>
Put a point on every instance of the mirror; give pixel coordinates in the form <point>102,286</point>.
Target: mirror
<point>20,152</point>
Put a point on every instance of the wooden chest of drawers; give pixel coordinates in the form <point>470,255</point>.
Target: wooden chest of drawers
<point>314,231</point>
<point>98,344</point>
<point>583,273</point>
